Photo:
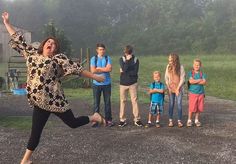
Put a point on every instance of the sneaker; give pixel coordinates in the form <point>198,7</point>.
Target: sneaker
<point>94,124</point>
<point>148,125</point>
<point>122,124</point>
<point>180,124</point>
<point>109,123</point>
<point>138,123</point>
<point>170,123</point>
<point>198,124</point>
<point>189,123</point>
<point>158,124</point>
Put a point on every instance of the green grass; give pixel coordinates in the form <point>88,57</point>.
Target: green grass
<point>80,93</point>
<point>19,122</point>
<point>219,69</point>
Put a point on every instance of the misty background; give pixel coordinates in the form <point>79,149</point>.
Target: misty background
<point>153,27</point>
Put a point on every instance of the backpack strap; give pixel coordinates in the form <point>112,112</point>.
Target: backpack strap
<point>123,58</point>
<point>162,85</point>
<point>201,74</point>
<point>96,60</point>
<point>106,58</point>
<point>153,86</point>
<point>188,83</point>
<point>193,73</point>
<point>135,59</point>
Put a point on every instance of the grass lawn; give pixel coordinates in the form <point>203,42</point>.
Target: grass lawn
<point>219,69</point>
<point>19,122</point>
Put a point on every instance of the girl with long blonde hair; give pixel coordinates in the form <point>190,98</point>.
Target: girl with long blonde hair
<point>175,78</point>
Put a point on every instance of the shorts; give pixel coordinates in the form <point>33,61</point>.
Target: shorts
<point>156,108</point>
<point>196,102</point>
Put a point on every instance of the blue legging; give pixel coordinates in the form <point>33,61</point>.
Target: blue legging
<point>40,118</point>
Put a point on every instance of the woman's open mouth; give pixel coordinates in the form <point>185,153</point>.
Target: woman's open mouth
<point>49,47</point>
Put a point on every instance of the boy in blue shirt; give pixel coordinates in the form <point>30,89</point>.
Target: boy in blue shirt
<point>196,82</point>
<point>101,64</point>
<point>157,93</point>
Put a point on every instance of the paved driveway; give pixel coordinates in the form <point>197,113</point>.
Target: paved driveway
<point>215,142</point>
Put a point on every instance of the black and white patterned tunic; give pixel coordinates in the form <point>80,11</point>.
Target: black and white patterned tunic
<point>43,76</point>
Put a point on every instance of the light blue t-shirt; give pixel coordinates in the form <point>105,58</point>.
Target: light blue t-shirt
<point>196,88</point>
<point>101,62</point>
<point>157,97</point>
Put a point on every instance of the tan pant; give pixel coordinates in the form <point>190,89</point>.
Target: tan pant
<point>133,91</point>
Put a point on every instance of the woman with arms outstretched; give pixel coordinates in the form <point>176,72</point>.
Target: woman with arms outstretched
<point>45,66</point>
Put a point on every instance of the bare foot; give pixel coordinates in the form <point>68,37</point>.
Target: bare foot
<point>26,162</point>
<point>96,117</point>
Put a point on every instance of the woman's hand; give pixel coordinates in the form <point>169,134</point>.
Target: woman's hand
<point>128,57</point>
<point>5,17</point>
<point>9,27</point>
<point>177,92</point>
<point>99,78</point>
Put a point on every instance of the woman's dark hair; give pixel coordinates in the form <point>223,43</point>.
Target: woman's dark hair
<point>128,49</point>
<point>57,49</point>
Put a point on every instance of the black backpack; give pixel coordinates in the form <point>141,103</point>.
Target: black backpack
<point>96,59</point>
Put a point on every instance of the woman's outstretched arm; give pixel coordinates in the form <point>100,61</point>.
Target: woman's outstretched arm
<point>17,41</point>
<point>9,27</point>
<point>99,78</point>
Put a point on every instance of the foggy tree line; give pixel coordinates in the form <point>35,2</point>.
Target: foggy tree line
<point>151,26</point>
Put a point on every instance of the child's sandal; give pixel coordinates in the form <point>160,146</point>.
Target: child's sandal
<point>198,124</point>
<point>171,124</point>
<point>189,124</point>
<point>148,125</point>
<point>158,125</point>
<point>180,124</point>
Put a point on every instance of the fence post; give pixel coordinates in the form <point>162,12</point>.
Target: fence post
<point>81,55</point>
<point>88,65</point>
